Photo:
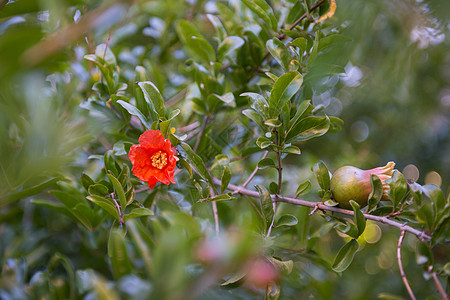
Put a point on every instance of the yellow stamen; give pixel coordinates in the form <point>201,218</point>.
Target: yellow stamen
<point>159,160</point>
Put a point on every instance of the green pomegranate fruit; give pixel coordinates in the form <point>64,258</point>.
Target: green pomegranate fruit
<point>350,183</point>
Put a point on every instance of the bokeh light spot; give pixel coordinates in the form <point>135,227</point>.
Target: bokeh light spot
<point>433,178</point>
<point>411,173</point>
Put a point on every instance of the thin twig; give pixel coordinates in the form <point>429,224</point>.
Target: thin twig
<point>420,234</point>
<point>200,135</point>
<point>254,171</point>
<point>438,284</point>
<point>2,3</point>
<point>216,213</point>
<point>400,266</point>
<point>175,99</point>
<point>280,180</point>
<point>189,127</point>
<point>318,4</point>
<point>118,208</point>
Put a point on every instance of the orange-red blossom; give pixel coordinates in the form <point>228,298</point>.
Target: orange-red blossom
<point>154,159</point>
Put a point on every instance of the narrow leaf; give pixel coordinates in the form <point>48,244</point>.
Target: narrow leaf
<point>266,205</point>
<point>117,252</point>
<point>228,46</point>
<point>345,256</point>
<point>322,174</point>
<point>266,163</point>
<point>359,219</point>
<point>303,188</point>
<point>397,188</point>
<point>134,111</point>
<point>284,88</point>
<point>377,192</point>
<point>137,213</point>
<point>153,98</point>
<point>279,51</point>
<point>225,180</point>
<point>308,128</point>
<point>196,161</point>
<point>286,220</point>
<point>119,191</point>
<point>105,204</point>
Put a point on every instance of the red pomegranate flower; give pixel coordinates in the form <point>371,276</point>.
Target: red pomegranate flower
<point>154,159</point>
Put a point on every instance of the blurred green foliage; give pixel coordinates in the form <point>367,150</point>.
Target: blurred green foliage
<point>81,80</point>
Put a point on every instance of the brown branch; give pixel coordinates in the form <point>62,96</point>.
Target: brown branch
<point>400,266</point>
<point>58,40</point>
<point>215,212</point>
<point>438,284</point>
<point>318,4</point>
<point>254,171</point>
<point>420,234</point>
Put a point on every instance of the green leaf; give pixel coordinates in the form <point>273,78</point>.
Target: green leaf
<point>284,88</point>
<point>137,213</point>
<point>220,29</point>
<point>303,188</point>
<point>202,48</point>
<point>303,109</point>
<point>119,191</point>
<point>195,41</point>
<point>255,117</point>
<point>225,180</point>
<point>154,99</point>
<point>235,278</point>
<point>348,229</point>
<point>345,256</point>
<point>300,43</point>
<point>273,123</point>
<point>117,252</point>
<point>165,125</point>
<point>266,205</point>
<point>291,150</point>
<point>332,40</point>
<point>436,195</point>
<point>359,219</point>
<point>106,204</point>
<point>187,167</point>
<point>426,215</point>
<point>134,111</point>
<point>86,181</point>
<point>259,104</point>
<point>228,46</point>
<point>286,220</point>
<point>98,189</point>
<point>279,52</point>
<point>196,161</point>
<point>5,200</point>
<point>143,241</point>
<point>308,128</point>
<point>285,266</point>
<point>397,188</point>
<point>224,197</point>
<point>59,208</point>
<point>322,174</point>
<point>264,11</point>
<point>266,163</point>
<point>273,188</point>
<point>263,142</point>
<point>377,192</point>
<point>423,254</point>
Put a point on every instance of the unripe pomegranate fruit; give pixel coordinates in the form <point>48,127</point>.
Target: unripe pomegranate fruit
<point>350,183</point>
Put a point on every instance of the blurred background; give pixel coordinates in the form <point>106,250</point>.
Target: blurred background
<point>394,98</point>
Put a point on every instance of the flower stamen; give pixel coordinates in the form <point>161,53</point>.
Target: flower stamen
<point>159,159</point>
